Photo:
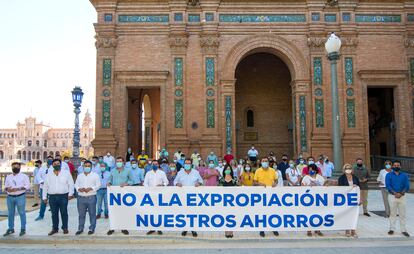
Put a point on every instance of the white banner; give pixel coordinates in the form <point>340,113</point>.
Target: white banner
<point>233,208</point>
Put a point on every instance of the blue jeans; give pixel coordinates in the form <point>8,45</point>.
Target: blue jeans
<point>59,203</point>
<point>20,203</point>
<point>42,209</point>
<point>101,196</point>
<point>87,204</point>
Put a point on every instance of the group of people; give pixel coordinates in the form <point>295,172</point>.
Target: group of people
<point>58,182</point>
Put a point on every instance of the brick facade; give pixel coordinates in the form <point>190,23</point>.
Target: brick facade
<point>187,53</point>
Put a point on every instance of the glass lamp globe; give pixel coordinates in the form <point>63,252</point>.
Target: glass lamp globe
<point>333,44</point>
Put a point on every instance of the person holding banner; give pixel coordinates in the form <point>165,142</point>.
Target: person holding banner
<point>265,176</point>
<point>363,175</point>
<point>136,173</point>
<point>101,194</point>
<point>188,177</point>
<point>348,179</point>
<point>313,179</point>
<point>210,174</point>
<point>293,175</point>
<point>228,180</point>
<point>122,177</point>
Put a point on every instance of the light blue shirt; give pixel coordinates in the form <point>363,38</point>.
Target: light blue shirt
<point>104,177</point>
<point>212,157</point>
<point>188,179</point>
<point>117,178</point>
<point>80,170</point>
<point>137,176</point>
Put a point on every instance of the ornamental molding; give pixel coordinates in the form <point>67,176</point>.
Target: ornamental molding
<point>409,42</point>
<point>209,44</point>
<point>178,42</point>
<point>319,41</point>
<point>106,42</point>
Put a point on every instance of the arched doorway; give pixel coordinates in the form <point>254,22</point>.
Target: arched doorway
<point>263,104</point>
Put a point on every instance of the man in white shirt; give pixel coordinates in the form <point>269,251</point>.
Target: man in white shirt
<point>36,184</point>
<point>59,186</point>
<point>64,165</point>
<point>109,160</point>
<point>40,178</point>
<point>16,185</point>
<point>155,177</point>
<point>381,181</point>
<point>252,154</point>
<point>87,184</point>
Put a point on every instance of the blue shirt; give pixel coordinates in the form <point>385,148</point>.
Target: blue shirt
<point>188,179</point>
<point>117,178</point>
<point>104,177</point>
<point>137,176</point>
<point>397,183</point>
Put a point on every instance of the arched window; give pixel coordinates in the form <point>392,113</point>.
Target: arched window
<point>24,155</point>
<point>19,155</point>
<point>29,143</point>
<point>37,142</point>
<point>38,156</point>
<point>250,118</point>
<point>1,155</point>
<point>44,155</point>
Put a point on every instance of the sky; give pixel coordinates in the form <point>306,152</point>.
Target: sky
<point>47,47</point>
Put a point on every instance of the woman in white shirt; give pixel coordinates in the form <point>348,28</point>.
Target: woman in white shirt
<point>293,174</point>
<point>313,179</point>
<point>381,180</point>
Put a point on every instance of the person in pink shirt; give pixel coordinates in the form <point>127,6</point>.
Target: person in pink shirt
<point>210,175</point>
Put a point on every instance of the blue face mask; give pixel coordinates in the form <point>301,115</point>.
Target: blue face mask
<point>154,167</point>
<point>134,166</point>
<point>87,169</point>
<point>312,172</point>
<point>119,164</point>
<point>388,166</point>
<point>187,167</point>
<point>265,164</point>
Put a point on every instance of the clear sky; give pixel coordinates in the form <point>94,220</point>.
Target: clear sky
<point>46,48</point>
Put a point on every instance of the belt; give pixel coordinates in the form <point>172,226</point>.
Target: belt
<point>102,189</point>
<point>137,184</point>
<point>15,196</point>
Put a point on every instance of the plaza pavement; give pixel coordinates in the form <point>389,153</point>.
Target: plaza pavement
<point>372,228</point>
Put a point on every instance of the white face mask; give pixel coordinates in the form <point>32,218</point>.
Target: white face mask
<point>348,171</point>
<point>247,169</point>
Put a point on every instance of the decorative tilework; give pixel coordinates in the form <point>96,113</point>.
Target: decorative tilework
<point>210,92</point>
<point>228,124</point>
<point>106,114</point>
<point>210,71</point>
<point>106,93</point>
<point>316,16</point>
<point>317,71</point>
<point>346,17</point>
<point>410,17</point>
<point>108,17</point>
<point>350,113</point>
<point>319,106</point>
<point>318,92</point>
<point>249,18</point>
<point>178,92</point>
<point>302,123</point>
<point>330,17</point>
<point>210,113</point>
<point>179,113</point>
<point>178,17</point>
<point>349,71</point>
<point>162,18</point>
<point>107,72</point>
<point>178,71</point>
<point>377,18</point>
<point>350,92</point>
<point>209,17</point>
<point>412,70</point>
<point>193,17</point>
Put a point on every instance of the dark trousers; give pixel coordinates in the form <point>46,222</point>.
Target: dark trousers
<point>59,203</point>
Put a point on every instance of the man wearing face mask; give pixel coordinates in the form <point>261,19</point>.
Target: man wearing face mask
<point>36,183</point>
<point>267,177</point>
<point>80,168</point>
<point>40,178</point>
<point>71,167</point>
<point>253,154</point>
<point>398,184</point>
<point>194,158</point>
<point>101,194</point>
<point>283,166</point>
<point>363,175</point>
<point>136,174</point>
<point>109,160</point>
<point>96,168</point>
<point>128,154</point>
<point>188,177</point>
<point>120,176</point>
<point>306,169</point>
<point>58,190</point>
<point>64,165</point>
<point>212,157</point>
<point>87,184</point>
<point>381,181</point>
<point>16,185</point>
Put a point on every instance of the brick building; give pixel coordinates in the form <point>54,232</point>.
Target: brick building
<point>33,140</point>
<point>223,74</point>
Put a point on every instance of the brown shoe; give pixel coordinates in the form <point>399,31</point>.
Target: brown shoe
<point>98,216</point>
<point>106,216</point>
<point>52,232</point>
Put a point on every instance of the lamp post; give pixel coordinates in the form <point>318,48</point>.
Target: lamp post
<point>332,46</point>
<point>77,96</point>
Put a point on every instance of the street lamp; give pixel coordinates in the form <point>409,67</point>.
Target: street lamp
<point>332,46</point>
<point>77,96</point>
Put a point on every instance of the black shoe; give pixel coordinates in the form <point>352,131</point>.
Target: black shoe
<point>194,233</point>
<point>52,232</point>
<point>23,232</point>
<point>391,232</point>
<point>65,231</point>
<point>35,205</point>
<point>79,232</point>
<point>228,236</point>
<point>8,232</point>
<point>150,232</point>
<point>125,232</point>
<point>98,216</point>
<point>367,214</point>
<point>91,232</point>
<point>184,233</point>
<point>110,232</point>
<point>262,233</point>
<point>106,216</point>
<point>159,232</point>
<point>406,234</point>
<point>276,233</point>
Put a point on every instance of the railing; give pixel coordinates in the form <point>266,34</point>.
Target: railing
<point>3,179</point>
<point>407,163</point>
